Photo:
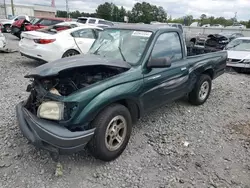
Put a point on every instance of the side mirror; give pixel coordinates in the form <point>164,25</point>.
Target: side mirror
<point>159,62</point>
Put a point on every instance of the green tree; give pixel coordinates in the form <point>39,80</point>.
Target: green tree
<point>248,24</point>
<point>115,12</point>
<point>61,14</point>
<point>104,11</point>
<point>75,14</point>
<point>122,13</point>
<point>145,12</point>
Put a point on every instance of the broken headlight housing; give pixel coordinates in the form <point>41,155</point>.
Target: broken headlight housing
<point>51,110</point>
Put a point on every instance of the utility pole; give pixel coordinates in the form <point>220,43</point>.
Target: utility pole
<point>5,12</point>
<point>67,8</point>
<point>235,17</point>
<point>12,8</point>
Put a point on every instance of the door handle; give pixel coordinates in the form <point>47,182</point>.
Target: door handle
<point>183,68</point>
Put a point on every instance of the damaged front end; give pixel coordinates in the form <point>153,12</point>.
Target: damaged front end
<point>47,98</point>
<point>59,93</point>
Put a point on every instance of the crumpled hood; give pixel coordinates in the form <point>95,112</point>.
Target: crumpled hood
<point>53,68</point>
<point>238,54</point>
<point>217,37</point>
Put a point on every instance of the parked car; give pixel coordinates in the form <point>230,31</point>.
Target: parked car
<point>34,24</point>
<point>231,36</point>
<point>6,25</point>
<point>2,40</point>
<point>49,44</point>
<point>92,100</point>
<point>213,41</point>
<point>90,20</point>
<point>239,54</point>
<point>237,26</point>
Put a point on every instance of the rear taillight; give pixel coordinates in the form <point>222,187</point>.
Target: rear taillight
<point>44,41</point>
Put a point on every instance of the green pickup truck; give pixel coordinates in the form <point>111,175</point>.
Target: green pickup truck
<point>92,100</point>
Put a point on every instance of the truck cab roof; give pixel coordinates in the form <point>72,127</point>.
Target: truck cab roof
<point>145,27</point>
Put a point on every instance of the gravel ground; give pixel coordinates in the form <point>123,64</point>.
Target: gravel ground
<point>178,145</point>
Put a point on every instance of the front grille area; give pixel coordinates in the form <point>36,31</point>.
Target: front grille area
<point>234,60</point>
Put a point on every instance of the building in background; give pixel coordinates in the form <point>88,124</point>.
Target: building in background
<point>35,10</point>
<point>44,11</point>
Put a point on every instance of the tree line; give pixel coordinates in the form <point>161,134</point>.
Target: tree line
<point>145,12</point>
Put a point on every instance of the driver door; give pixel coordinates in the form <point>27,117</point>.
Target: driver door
<point>162,85</point>
<point>84,38</point>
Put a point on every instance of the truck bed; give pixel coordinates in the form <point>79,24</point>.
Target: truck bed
<point>198,50</point>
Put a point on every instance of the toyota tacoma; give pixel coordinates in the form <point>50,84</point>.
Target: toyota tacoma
<point>92,100</point>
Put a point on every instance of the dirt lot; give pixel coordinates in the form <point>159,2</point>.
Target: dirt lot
<point>178,145</point>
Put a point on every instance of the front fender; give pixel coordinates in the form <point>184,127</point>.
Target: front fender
<point>128,91</point>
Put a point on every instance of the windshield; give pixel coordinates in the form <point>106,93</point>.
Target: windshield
<point>239,45</point>
<point>34,20</point>
<point>127,45</point>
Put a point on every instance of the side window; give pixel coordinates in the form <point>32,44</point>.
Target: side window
<point>46,22</point>
<point>91,21</point>
<point>84,33</point>
<point>53,22</point>
<point>168,45</point>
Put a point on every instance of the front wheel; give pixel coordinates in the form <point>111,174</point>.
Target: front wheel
<point>113,128</point>
<point>201,90</point>
<point>7,28</point>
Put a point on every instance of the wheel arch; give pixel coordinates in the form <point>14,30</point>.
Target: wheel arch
<point>72,50</point>
<point>133,107</point>
<point>193,40</point>
<point>209,72</point>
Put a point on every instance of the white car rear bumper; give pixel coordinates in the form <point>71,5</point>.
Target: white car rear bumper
<point>39,52</point>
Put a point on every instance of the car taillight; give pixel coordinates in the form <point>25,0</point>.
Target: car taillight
<point>44,41</point>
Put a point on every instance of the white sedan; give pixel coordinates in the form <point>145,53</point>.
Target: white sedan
<point>239,53</point>
<point>49,44</point>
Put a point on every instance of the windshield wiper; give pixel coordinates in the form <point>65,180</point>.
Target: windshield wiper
<point>95,52</point>
<point>120,50</point>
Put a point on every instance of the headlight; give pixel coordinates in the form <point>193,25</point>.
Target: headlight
<point>246,61</point>
<point>51,110</point>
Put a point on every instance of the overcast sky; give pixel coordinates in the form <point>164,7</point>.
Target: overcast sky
<point>175,8</point>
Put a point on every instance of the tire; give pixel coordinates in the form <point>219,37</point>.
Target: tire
<point>70,53</point>
<point>7,28</point>
<point>203,85</point>
<point>99,146</point>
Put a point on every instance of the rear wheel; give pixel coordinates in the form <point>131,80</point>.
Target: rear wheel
<point>7,28</point>
<point>113,128</point>
<point>70,53</point>
<point>201,91</point>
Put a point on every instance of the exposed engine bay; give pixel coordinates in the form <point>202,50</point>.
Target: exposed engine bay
<point>65,83</point>
<point>72,80</point>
